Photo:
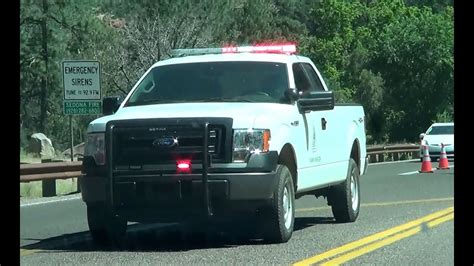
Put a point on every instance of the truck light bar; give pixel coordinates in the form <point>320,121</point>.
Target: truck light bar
<point>273,48</point>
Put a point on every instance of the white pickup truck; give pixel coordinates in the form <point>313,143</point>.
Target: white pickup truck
<point>214,133</point>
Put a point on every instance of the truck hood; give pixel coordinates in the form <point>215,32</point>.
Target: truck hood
<point>244,114</point>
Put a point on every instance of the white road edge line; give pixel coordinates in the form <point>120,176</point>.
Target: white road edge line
<point>390,162</point>
<point>409,173</point>
<point>416,172</point>
<point>50,201</point>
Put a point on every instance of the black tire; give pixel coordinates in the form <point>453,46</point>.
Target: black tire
<point>277,228</point>
<point>344,207</point>
<point>105,228</point>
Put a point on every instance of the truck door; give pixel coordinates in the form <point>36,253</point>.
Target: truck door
<point>315,126</point>
<point>332,131</point>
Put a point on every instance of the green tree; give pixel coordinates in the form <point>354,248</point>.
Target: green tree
<point>68,30</point>
<point>394,57</point>
<point>396,60</point>
<point>416,62</point>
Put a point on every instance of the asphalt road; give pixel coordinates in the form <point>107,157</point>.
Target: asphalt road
<point>406,218</point>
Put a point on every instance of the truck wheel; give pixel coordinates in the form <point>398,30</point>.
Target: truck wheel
<point>344,198</point>
<point>105,228</point>
<point>279,218</point>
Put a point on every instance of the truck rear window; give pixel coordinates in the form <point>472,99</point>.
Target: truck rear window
<point>213,82</point>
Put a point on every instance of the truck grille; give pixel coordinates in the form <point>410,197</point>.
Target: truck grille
<point>136,144</point>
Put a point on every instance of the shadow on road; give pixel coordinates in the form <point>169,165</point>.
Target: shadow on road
<point>159,238</point>
<point>304,222</point>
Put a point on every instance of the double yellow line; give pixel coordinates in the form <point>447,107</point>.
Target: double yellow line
<point>378,240</point>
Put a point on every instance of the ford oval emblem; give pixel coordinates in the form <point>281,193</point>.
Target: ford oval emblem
<point>165,142</point>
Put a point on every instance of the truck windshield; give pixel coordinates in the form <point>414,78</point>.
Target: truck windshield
<point>441,130</point>
<point>213,82</point>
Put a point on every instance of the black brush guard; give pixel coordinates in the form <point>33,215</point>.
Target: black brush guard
<point>206,161</point>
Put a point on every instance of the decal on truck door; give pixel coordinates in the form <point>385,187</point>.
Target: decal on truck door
<point>314,159</point>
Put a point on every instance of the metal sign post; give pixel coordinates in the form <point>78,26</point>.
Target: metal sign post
<point>72,138</point>
<point>82,92</point>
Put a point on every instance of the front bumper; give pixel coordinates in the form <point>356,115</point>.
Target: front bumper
<point>227,186</point>
<point>435,151</point>
<point>177,198</point>
<point>173,196</point>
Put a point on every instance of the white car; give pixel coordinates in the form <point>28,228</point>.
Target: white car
<point>436,134</point>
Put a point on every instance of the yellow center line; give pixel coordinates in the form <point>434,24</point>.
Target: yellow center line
<point>372,247</point>
<point>441,220</point>
<point>25,252</point>
<point>382,204</point>
<point>385,242</point>
<point>374,237</point>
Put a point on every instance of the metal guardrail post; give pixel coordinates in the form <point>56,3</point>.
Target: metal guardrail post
<point>381,157</point>
<point>373,158</point>
<point>395,156</point>
<point>48,185</point>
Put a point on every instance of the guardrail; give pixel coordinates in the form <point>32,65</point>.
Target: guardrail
<point>380,153</point>
<point>45,171</point>
<point>48,172</point>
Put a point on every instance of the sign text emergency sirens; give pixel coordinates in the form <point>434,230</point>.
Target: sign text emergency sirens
<point>82,91</point>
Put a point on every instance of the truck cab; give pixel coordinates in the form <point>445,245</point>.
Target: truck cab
<point>220,132</point>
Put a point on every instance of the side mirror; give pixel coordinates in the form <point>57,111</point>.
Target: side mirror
<point>422,135</point>
<point>110,104</point>
<point>291,95</point>
<point>316,101</point>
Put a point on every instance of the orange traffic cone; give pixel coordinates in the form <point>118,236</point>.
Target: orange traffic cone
<point>443,160</point>
<point>426,164</point>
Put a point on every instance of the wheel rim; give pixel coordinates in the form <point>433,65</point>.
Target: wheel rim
<point>287,207</point>
<point>354,193</point>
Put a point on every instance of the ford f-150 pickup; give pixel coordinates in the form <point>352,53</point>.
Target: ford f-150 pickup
<point>216,132</point>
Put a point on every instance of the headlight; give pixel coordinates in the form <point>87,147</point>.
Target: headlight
<point>95,147</point>
<point>249,141</point>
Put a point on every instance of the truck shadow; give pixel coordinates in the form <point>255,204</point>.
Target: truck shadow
<point>170,238</point>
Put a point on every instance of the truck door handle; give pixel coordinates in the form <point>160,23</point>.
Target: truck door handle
<point>323,123</point>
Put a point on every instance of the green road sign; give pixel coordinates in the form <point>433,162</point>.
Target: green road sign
<point>82,107</point>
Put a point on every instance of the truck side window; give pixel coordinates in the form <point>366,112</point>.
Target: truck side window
<point>301,80</point>
<point>313,77</point>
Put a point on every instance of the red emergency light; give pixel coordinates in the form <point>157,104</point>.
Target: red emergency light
<point>261,48</point>
<point>183,166</point>
<point>285,48</point>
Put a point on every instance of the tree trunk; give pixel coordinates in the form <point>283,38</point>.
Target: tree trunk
<point>44,78</point>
